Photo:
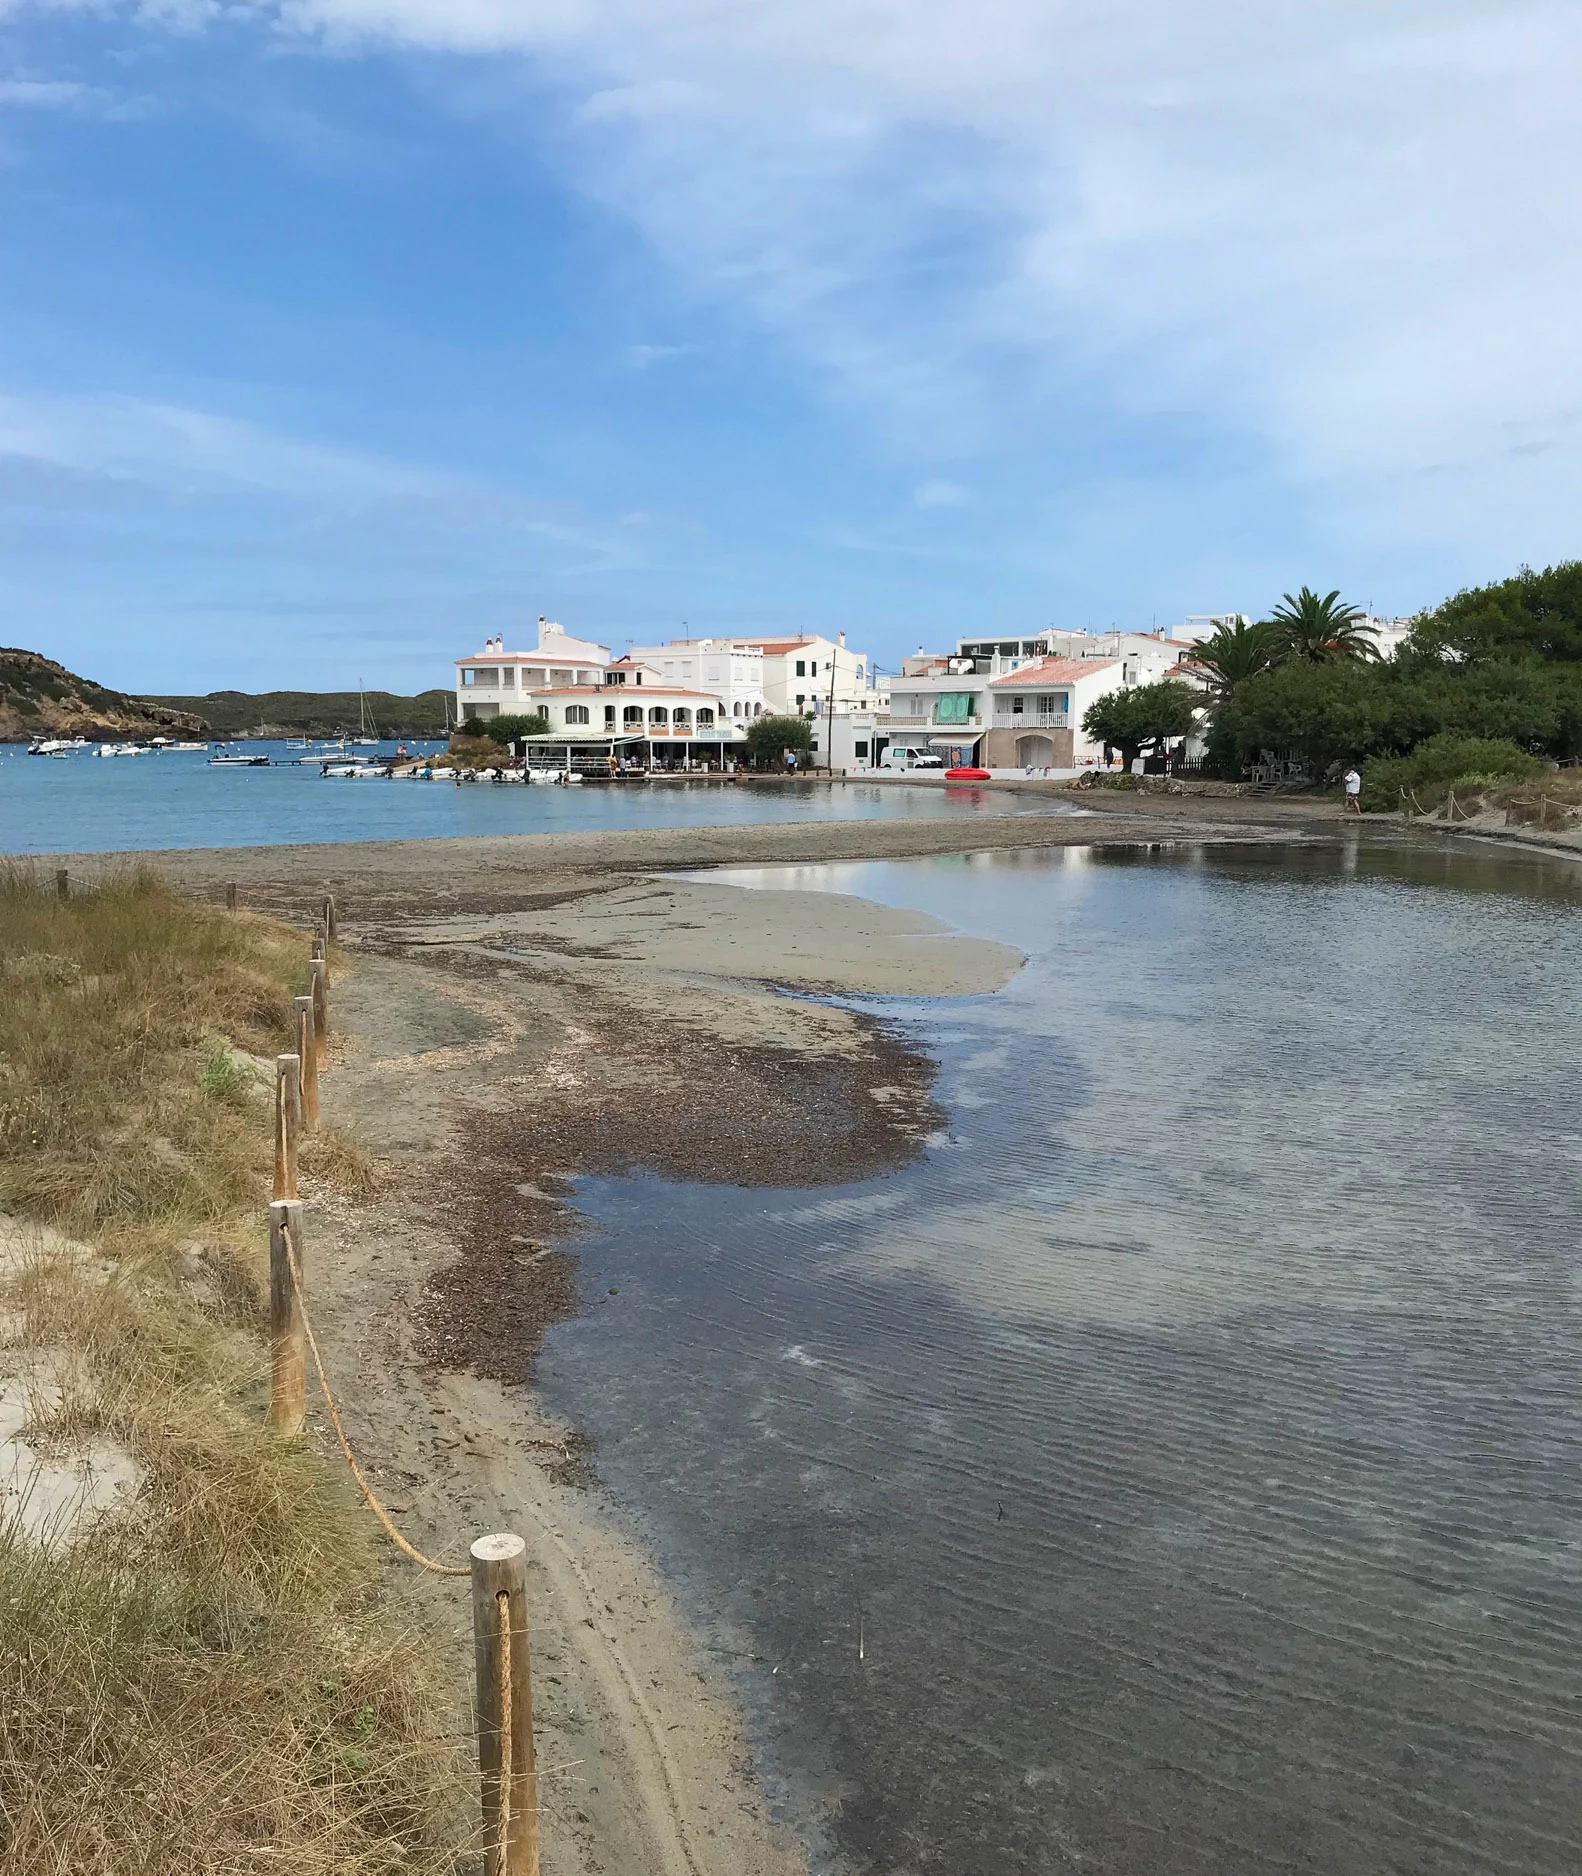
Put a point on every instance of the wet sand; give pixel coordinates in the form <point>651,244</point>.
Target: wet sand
<point>486,1057</point>
<point>509,1014</point>
<point>488,872</point>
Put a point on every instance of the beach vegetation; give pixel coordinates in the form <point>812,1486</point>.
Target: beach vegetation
<point>1440,766</point>
<point>1500,664</point>
<point>769,737</point>
<point>511,729</point>
<point>205,1676</point>
<point>1142,720</point>
<point>1232,654</point>
<point>1310,629</point>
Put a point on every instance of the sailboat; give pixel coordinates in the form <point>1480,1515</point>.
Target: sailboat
<point>365,722</point>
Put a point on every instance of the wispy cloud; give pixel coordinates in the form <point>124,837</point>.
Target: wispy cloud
<point>1340,236</point>
<point>937,494</point>
<point>1345,229</point>
<point>191,450</point>
<point>48,94</point>
<point>642,356</point>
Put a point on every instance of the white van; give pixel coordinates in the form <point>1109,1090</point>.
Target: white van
<point>897,757</point>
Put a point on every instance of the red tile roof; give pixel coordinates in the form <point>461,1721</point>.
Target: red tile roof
<point>1051,671</point>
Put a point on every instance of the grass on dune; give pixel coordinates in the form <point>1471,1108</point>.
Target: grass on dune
<point>208,1680</point>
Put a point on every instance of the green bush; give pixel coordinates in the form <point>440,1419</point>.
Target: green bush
<point>510,729</point>
<point>1440,764</point>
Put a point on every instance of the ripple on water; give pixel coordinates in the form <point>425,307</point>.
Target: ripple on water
<point>1192,1443</point>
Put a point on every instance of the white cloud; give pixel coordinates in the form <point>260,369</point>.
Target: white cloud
<point>937,494</point>
<point>183,449</point>
<point>1341,236</point>
<point>642,356</point>
<point>43,93</point>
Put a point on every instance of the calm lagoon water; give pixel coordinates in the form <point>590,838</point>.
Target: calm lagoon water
<point>1181,1468</point>
<point>87,804</point>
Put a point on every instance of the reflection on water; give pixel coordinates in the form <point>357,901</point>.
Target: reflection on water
<point>1182,1469</point>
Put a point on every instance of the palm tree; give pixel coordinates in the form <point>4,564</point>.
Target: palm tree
<point>1233,654</point>
<point>1315,631</point>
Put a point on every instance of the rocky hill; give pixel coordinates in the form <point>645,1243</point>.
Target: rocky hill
<point>316,713</point>
<point>41,698</point>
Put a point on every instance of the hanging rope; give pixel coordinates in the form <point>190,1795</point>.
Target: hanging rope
<point>428,1563</point>
<point>502,1603</point>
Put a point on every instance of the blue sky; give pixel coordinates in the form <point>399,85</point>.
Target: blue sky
<point>336,335</point>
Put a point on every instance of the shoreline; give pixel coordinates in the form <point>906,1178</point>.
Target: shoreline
<point>488,1055</point>
<point>459,864</point>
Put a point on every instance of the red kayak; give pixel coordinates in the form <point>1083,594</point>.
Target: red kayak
<point>968,775</point>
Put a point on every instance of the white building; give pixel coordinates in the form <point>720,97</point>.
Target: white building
<point>1035,712</point>
<point>600,714</point>
<point>730,670</point>
<point>1146,656</point>
<point>803,675</point>
<point>497,682</point>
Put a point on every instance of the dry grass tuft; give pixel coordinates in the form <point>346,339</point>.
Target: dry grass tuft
<point>207,1680</point>
<point>331,1157</point>
<point>119,1103</point>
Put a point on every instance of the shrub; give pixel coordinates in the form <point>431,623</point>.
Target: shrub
<point>511,729</point>
<point>1440,764</point>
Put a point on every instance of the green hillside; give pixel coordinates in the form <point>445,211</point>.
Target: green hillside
<point>234,713</point>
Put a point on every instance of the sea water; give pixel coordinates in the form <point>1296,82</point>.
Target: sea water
<point>87,803</point>
<point>1180,1468</point>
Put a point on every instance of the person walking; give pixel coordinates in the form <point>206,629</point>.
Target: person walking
<point>1353,792</point>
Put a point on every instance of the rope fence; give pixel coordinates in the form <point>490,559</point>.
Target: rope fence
<point>497,1564</point>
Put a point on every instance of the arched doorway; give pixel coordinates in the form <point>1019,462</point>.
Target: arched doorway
<point>1035,752</point>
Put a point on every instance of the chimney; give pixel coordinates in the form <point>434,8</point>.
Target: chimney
<point>842,641</point>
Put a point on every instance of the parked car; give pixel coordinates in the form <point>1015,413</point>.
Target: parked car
<point>899,757</point>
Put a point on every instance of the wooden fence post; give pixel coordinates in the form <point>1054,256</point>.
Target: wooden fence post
<point>321,1004</point>
<point>308,1049</point>
<point>329,919</point>
<point>288,1400</point>
<point>230,897</point>
<point>506,1764</point>
<point>288,1123</point>
<point>62,885</point>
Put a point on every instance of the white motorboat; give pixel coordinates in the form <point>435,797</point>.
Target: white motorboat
<point>238,762</point>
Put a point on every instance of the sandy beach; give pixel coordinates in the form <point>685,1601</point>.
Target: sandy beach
<point>510,1013</point>
<point>485,1056</point>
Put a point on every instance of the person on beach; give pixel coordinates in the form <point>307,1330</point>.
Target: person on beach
<point>1353,792</point>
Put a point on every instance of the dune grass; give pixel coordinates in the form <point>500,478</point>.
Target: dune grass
<point>208,1679</point>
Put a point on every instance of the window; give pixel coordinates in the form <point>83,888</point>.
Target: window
<point>658,714</point>
<point>705,719</point>
<point>1018,705</point>
<point>736,708</point>
<point>758,710</point>
<point>859,752</point>
<point>681,717</point>
<point>1009,650</point>
<point>576,713</point>
<point>632,716</point>
<point>609,716</point>
<point>812,669</point>
<point>801,670</point>
<point>801,698</point>
<point>508,677</point>
<point>954,707</point>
